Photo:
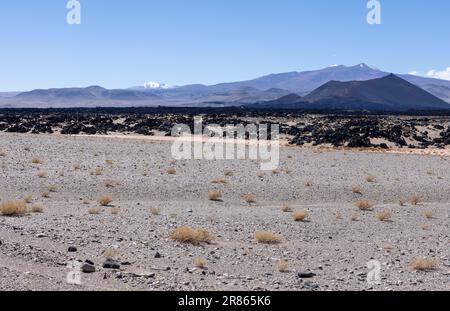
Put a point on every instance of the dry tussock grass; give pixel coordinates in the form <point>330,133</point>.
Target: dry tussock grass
<point>214,196</point>
<point>200,263</point>
<point>36,160</point>
<point>28,199</point>
<point>98,171</point>
<point>355,217</point>
<point>115,210</point>
<point>191,236</point>
<point>219,181</point>
<point>228,173</point>
<point>105,200</point>
<point>357,190</point>
<point>45,194</point>
<point>13,208</point>
<point>41,174</point>
<point>364,205</point>
<point>415,200</point>
<point>429,214</point>
<point>286,208</point>
<point>424,264</point>
<point>249,198</point>
<point>2,153</point>
<point>267,237</point>
<point>308,184</point>
<point>402,202</point>
<point>171,171</point>
<point>283,266</point>
<point>37,208</point>
<point>109,162</point>
<point>384,215</point>
<point>109,183</point>
<point>338,215</point>
<point>260,174</point>
<point>370,178</point>
<point>425,227</point>
<point>155,211</point>
<point>301,216</point>
<point>52,188</point>
<point>94,211</point>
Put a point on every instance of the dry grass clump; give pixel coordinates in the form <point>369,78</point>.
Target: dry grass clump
<point>171,171</point>
<point>384,215</point>
<point>200,263</point>
<point>415,200</point>
<point>94,211</point>
<point>308,184</point>
<point>109,162</point>
<point>401,202</point>
<point>45,194</point>
<point>249,198</point>
<point>77,167</point>
<point>109,254</point>
<point>214,196</point>
<point>429,214</point>
<point>338,215</point>
<point>357,190</point>
<point>425,227</point>
<point>267,238</point>
<point>2,153</point>
<point>260,174</point>
<point>283,266</point>
<point>28,199</point>
<point>286,208</point>
<point>13,208</point>
<point>228,173</point>
<point>191,236</point>
<point>364,205</point>
<point>36,160</point>
<point>115,210</point>
<point>109,183</point>
<point>52,188</point>
<point>155,211</point>
<point>41,174</point>
<point>355,217</point>
<point>219,181</point>
<point>301,216</point>
<point>105,200</point>
<point>37,208</point>
<point>98,171</point>
<point>424,264</point>
<point>370,178</point>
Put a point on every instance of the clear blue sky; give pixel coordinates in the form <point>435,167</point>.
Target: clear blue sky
<point>125,43</point>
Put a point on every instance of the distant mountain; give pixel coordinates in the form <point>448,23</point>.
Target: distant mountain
<point>264,89</point>
<point>390,93</point>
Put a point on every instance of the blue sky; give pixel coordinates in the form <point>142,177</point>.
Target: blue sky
<point>126,43</point>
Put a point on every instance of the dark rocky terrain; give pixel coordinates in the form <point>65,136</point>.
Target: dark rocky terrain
<point>354,131</point>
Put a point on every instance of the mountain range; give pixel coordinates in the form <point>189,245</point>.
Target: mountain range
<point>318,86</point>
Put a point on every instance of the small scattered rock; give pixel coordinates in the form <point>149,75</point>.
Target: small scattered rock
<point>87,268</point>
<point>306,275</point>
<point>72,249</point>
<point>111,264</point>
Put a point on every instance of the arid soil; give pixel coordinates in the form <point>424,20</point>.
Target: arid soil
<point>152,196</point>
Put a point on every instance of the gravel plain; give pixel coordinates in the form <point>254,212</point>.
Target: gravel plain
<point>329,251</point>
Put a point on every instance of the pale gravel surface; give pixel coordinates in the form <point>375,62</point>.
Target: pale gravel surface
<point>33,249</point>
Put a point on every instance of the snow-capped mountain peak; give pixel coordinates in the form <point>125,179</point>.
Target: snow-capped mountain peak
<point>156,85</point>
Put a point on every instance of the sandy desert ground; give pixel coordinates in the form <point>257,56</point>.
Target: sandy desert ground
<point>327,251</point>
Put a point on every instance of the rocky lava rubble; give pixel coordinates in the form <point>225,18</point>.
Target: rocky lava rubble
<point>336,130</point>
